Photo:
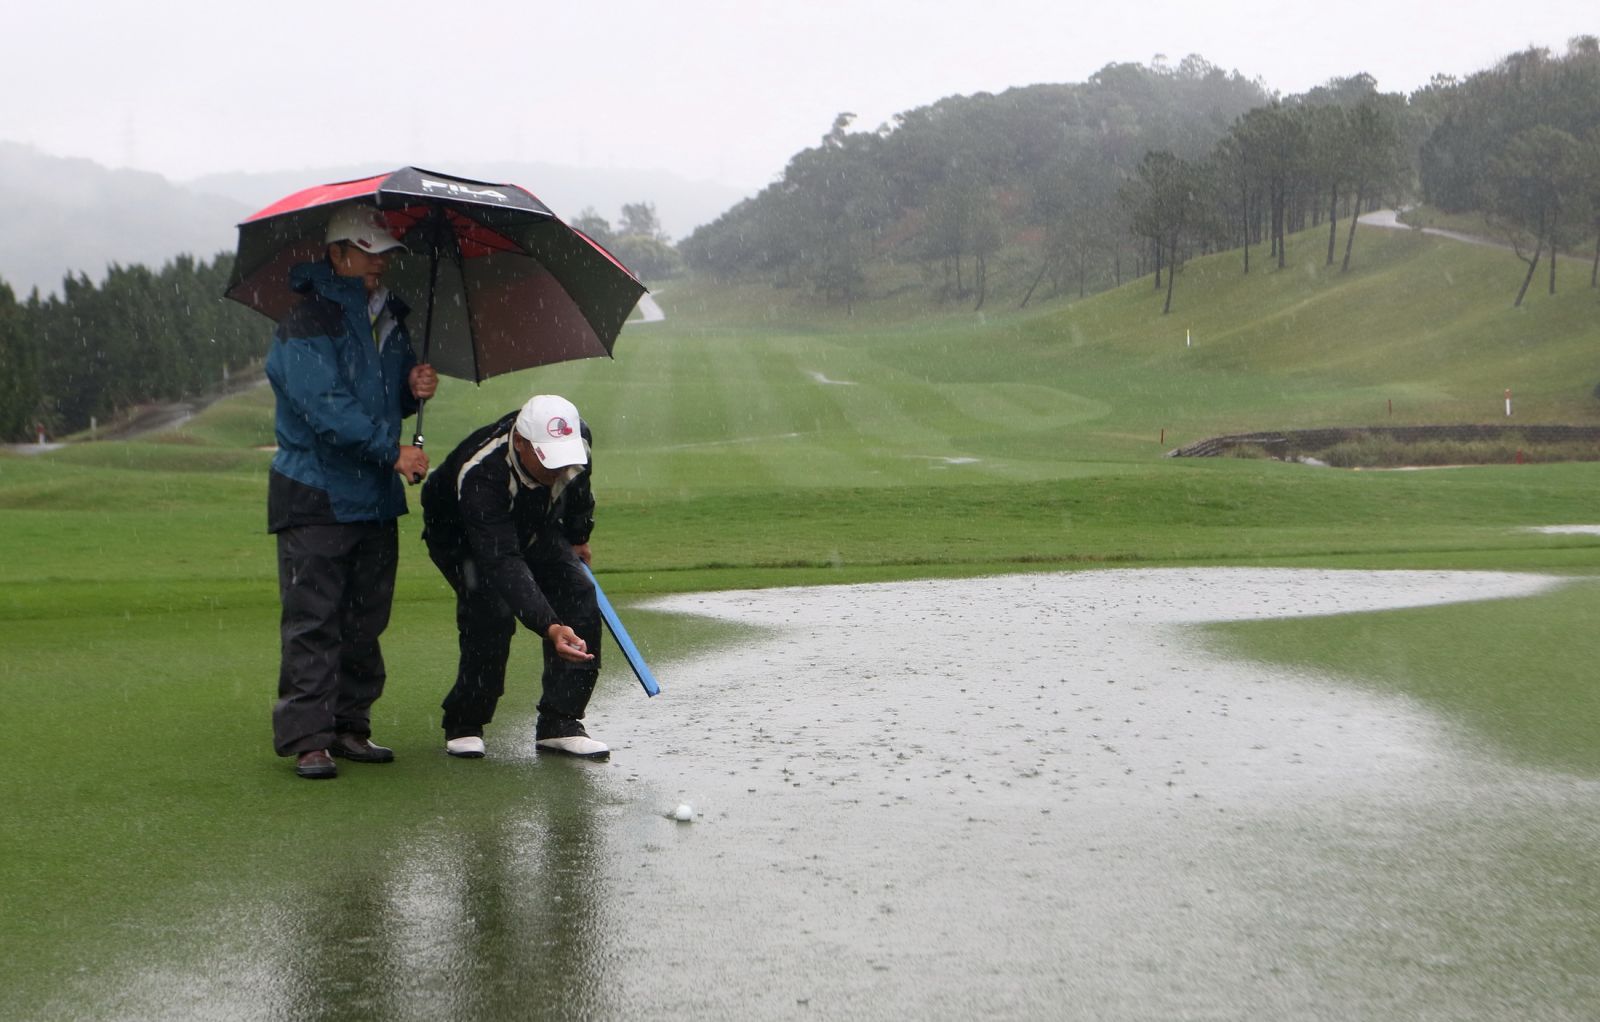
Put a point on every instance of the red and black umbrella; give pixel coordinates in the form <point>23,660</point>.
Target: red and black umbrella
<point>508,286</point>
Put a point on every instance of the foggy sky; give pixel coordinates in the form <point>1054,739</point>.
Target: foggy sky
<point>718,90</point>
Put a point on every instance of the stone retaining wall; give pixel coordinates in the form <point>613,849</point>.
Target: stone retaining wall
<point>1290,443</point>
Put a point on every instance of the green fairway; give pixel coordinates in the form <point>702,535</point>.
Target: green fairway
<point>747,442</point>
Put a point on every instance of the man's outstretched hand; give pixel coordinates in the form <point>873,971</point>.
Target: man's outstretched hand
<point>568,645</point>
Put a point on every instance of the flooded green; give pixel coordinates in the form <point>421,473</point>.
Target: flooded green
<point>1024,797</point>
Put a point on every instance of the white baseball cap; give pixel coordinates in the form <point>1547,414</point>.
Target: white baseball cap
<point>362,226</point>
<point>551,424</point>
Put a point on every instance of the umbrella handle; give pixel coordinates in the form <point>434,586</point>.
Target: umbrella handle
<point>416,439</point>
<point>427,326</point>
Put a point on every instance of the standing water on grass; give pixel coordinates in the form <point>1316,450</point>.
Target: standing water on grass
<point>1022,797</point>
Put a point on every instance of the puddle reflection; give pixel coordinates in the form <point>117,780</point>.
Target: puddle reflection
<point>484,917</point>
<point>489,912</point>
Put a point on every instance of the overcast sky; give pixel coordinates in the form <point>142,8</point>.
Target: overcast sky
<point>720,90</point>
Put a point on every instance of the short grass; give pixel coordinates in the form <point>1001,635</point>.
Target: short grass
<point>1518,674</point>
<point>738,446</point>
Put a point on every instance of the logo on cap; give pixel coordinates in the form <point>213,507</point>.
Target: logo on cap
<point>558,428</point>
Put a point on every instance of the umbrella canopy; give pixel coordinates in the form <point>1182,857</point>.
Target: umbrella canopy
<point>504,284</point>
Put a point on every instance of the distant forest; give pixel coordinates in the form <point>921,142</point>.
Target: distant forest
<point>140,336</point>
<point>1037,192</point>
<point>1068,189</point>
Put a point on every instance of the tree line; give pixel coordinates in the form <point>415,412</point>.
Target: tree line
<point>636,239</point>
<point>1520,142</point>
<point>1079,187</point>
<point>140,336</point>
<point>952,187</point>
<point>1277,170</point>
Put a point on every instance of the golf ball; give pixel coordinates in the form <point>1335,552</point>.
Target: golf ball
<point>684,813</point>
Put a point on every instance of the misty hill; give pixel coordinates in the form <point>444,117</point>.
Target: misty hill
<point>681,204</point>
<point>68,215</point>
<point>951,185</point>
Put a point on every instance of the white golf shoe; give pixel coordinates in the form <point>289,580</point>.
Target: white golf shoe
<point>581,746</point>
<point>470,747</point>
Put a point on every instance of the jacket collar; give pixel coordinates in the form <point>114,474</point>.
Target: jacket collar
<point>520,474</point>
<point>317,277</point>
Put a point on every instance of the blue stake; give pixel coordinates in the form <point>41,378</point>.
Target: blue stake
<point>640,669</point>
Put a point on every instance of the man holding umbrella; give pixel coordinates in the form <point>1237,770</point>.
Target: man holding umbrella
<point>344,375</point>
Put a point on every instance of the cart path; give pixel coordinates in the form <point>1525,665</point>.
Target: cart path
<point>1390,218</point>
<point>147,419</point>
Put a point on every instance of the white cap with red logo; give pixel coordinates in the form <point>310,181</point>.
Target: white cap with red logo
<point>550,423</point>
<point>362,226</point>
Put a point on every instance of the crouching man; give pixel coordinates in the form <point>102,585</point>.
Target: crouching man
<point>507,518</point>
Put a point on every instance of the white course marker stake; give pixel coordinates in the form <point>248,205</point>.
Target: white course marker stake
<point>1508,402</point>
<point>1188,342</point>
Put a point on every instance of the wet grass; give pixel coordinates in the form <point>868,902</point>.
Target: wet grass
<point>147,791</point>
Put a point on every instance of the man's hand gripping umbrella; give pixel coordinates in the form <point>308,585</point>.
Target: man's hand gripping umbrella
<point>508,285</point>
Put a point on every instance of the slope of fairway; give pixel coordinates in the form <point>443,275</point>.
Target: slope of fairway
<point>1420,325</point>
<point>807,440</point>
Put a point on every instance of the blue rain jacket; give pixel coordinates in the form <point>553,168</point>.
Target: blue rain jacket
<point>340,380</point>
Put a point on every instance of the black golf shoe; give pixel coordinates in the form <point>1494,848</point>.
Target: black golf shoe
<point>359,749</point>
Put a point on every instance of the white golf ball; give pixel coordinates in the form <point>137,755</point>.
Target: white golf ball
<point>684,813</point>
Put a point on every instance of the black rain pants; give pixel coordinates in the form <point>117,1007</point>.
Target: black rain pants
<point>336,583</point>
<point>485,627</point>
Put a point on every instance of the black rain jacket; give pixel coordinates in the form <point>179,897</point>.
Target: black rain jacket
<point>480,505</point>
